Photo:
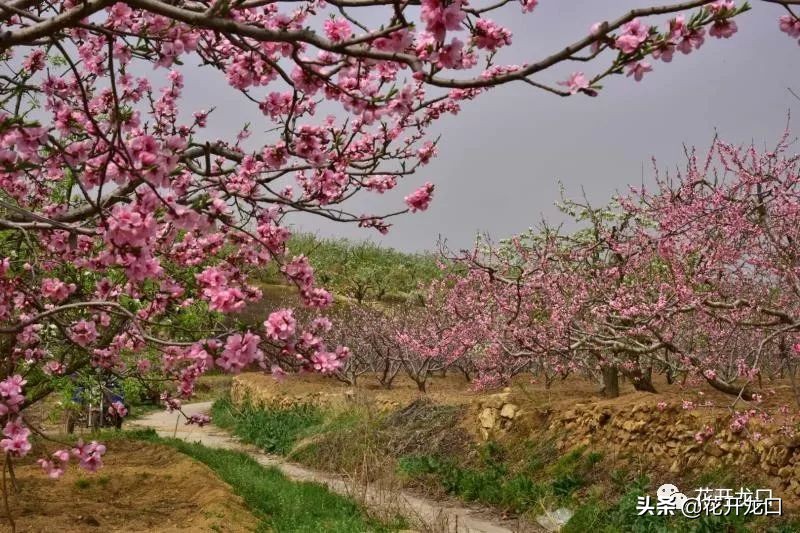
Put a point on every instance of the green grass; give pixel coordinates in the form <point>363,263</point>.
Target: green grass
<point>273,430</point>
<point>281,505</point>
<point>490,482</point>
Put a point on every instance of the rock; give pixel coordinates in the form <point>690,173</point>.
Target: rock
<point>715,451</point>
<point>554,520</point>
<point>633,426</point>
<point>778,456</point>
<point>495,401</point>
<point>509,410</point>
<point>488,418</point>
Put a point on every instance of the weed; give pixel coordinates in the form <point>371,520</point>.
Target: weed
<point>273,430</point>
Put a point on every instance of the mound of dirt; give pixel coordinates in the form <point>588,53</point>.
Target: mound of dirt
<point>142,487</point>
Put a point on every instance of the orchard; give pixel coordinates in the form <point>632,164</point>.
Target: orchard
<point>131,235</point>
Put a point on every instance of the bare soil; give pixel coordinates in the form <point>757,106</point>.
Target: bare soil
<point>142,487</point>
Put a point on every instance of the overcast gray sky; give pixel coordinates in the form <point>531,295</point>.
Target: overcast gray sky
<point>501,159</point>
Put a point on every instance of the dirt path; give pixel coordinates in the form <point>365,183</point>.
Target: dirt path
<point>437,516</point>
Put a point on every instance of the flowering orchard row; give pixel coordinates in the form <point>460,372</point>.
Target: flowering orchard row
<point>698,278</point>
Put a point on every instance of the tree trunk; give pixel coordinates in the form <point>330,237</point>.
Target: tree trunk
<point>610,382</point>
<point>641,381</point>
<point>733,390</point>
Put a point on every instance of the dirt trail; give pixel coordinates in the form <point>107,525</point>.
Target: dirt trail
<point>436,515</point>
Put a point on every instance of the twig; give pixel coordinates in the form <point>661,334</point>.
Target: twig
<point>5,497</point>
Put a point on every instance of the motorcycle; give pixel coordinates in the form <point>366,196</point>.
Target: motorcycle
<point>92,408</point>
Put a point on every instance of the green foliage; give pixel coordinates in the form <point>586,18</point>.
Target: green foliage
<point>361,270</point>
<point>275,430</point>
<point>281,504</point>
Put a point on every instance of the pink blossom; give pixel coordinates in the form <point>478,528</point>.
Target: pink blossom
<point>35,61</point>
<point>127,227</point>
<point>489,35</point>
<point>325,362</point>
<point>280,325</point>
<point>576,82</point>
<point>380,184</point>
<point>118,408</point>
<point>720,7</point>
<point>338,29</point>
<point>790,25</point>
<point>278,373</point>
<point>61,455</point>
<point>84,332</point>
<point>56,290</point>
<point>638,70</point>
<point>240,351</point>
<point>54,368</point>
<point>706,433</point>
<point>89,455</point>
<point>316,297</point>
<point>11,394</point>
<point>420,199</point>
<point>634,33</point>
<point>16,442</point>
<point>723,29</point>
<point>528,5</point>
<point>50,468</point>
<point>426,153</point>
<point>200,419</point>
<point>439,18</point>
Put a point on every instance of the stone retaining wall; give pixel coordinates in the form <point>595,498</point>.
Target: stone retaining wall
<point>671,436</point>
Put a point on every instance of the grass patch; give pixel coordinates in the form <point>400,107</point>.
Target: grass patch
<point>281,504</point>
<point>273,430</point>
<point>491,481</point>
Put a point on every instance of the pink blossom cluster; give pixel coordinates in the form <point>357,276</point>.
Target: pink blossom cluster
<point>216,290</point>
<point>420,199</point>
<point>16,441</point>
<point>328,362</point>
<point>56,290</point>
<point>118,409</point>
<point>11,397</point>
<point>240,351</point>
<point>54,467</point>
<point>90,456</point>
<point>704,434</point>
<point>200,419</point>
<point>280,325</point>
<point>790,25</point>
